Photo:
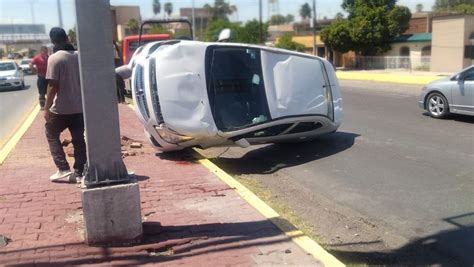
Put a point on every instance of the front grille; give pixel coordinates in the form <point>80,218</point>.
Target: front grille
<point>140,93</point>
<point>155,99</point>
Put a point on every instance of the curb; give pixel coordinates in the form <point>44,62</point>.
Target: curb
<point>387,77</point>
<point>297,236</point>
<point>11,143</point>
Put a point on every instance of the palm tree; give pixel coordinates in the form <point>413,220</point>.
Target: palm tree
<point>168,8</point>
<point>305,11</point>
<point>156,7</point>
<point>419,8</point>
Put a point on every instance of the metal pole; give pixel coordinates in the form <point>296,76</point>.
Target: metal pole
<point>260,24</point>
<point>99,94</point>
<point>194,21</point>
<point>60,14</point>
<point>314,28</point>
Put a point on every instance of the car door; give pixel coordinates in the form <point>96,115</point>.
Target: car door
<point>463,92</point>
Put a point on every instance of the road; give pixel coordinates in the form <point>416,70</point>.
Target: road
<point>392,186</point>
<point>14,105</point>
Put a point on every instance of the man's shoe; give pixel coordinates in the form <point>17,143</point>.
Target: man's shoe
<point>75,178</point>
<point>59,175</point>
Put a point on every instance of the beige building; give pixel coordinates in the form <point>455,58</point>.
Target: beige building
<point>121,15</point>
<point>452,43</point>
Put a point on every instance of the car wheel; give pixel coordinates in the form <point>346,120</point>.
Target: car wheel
<point>437,105</point>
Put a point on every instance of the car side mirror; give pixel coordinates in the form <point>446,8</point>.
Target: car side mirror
<point>224,35</point>
<point>124,71</point>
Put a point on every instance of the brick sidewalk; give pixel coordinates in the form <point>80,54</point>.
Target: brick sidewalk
<point>190,217</point>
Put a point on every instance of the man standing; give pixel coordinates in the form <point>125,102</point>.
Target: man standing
<point>39,65</point>
<point>63,108</point>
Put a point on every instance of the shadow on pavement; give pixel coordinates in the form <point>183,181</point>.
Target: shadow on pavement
<point>15,89</point>
<point>271,158</point>
<point>446,248</point>
<point>456,117</point>
<point>169,243</point>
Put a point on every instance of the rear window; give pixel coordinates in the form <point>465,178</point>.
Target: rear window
<point>235,87</point>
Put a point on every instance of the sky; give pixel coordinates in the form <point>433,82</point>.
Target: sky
<point>45,11</point>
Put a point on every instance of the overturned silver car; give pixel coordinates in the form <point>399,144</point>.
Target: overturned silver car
<point>196,94</point>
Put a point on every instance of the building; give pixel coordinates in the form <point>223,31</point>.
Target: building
<point>121,15</point>
<point>420,22</point>
<point>452,43</point>
<point>277,31</point>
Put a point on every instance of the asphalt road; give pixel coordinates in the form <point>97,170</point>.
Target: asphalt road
<point>392,186</point>
<point>14,105</point>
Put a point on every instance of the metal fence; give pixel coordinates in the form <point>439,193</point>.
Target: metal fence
<point>388,62</point>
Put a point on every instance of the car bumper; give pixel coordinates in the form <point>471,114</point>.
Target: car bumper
<point>421,99</point>
<point>11,83</point>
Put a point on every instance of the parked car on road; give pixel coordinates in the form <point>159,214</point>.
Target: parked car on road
<point>454,94</point>
<point>190,93</point>
<point>25,66</point>
<point>11,75</point>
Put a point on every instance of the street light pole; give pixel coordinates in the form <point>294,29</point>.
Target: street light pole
<point>60,14</point>
<point>260,20</point>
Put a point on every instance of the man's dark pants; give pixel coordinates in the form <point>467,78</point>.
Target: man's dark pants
<point>42,85</point>
<point>75,123</point>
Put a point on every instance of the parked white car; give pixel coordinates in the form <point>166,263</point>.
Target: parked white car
<point>190,93</point>
<point>11,75</point>
<point>25,66</point>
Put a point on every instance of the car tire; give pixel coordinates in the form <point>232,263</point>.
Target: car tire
<point>437,106</point>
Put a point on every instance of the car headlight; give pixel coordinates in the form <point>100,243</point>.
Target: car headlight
<point>171,137</point>
<point>11,77</point>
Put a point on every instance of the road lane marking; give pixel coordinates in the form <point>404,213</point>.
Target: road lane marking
<point>11,143</point>
<point>297,236</point>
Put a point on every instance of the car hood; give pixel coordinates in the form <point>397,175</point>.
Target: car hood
<point>182,89</point>
<point>5,73</point>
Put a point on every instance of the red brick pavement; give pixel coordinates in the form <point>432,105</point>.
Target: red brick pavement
<point>190,217</point>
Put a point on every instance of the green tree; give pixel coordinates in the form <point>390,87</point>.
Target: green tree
<point>305,11</point>
<point>453,5</point>
<point>277,20</point>
<point>250,32</point>
<point>286,42</point>
<point>339,15</point>
<point>337,36</point>
<point>290,18</point>
<point>133,25</point>
<point>168,8</point>
<point>156,7</point>
<point>220,10</point>
<point>370,27</point>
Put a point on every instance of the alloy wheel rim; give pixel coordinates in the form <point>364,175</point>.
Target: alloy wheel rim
<point>436,105</point>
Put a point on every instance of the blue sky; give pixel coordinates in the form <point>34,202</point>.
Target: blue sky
<point>45,11</point>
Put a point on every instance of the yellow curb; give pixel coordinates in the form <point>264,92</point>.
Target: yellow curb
<point>297,236</point>
<point>10,145</point>
<point>387,77</point>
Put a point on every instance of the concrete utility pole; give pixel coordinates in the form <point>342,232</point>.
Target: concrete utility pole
<point>111,202</point>
<point>194,21</point>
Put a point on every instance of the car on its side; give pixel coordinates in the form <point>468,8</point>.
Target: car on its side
<point>196,94</point>
<point>454,94</point>
<point>11,76</point>
<point>25,66</point>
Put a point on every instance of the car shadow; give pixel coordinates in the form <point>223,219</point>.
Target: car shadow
<point>274,157</point>
<point>456,117</point>
<point>15,89</point>
<point>445,248</point>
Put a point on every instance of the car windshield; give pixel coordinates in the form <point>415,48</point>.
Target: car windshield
<point>7,66</point>
<point>26,61</point>
<point>235,86</point>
